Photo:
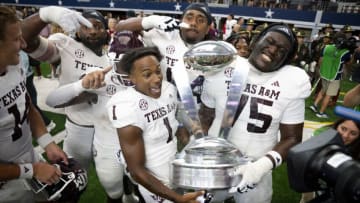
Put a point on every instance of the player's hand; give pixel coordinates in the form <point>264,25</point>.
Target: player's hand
<point>191,197</point>
<point>69,20</point>
<point>46,173</point>
<point>251,174</point>
<point>54,153</point>
<point>95,80</point>
<point>165,23</point>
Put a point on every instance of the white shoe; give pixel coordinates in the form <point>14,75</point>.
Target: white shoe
<point>132,198</point>
<point>51,126</point>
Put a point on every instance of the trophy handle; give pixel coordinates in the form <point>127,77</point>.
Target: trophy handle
<point>238,81</point>
<point>182,82</point>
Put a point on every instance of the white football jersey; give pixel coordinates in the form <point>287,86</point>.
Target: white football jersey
<point>268,99</point>
<point>15,135</point>
<point>156,119</point>
<point>105,133</point>
<point>75,59</point>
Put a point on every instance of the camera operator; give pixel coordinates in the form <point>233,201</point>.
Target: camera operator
<point>332,62</point>
<point>349,130</point>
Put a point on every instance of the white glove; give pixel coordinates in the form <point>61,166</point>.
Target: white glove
<point>165,23</point>
<point>69,20</point>
<point>251,173</point>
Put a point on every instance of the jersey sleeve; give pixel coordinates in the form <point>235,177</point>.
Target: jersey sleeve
<point>298,90</point>
<point>122,112</point>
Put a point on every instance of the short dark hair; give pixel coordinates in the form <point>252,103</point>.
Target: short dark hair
<point>129,57</point>
<point>7,16</point>
<point>202,7</point>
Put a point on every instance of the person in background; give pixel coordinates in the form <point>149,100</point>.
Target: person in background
<point>148,142</point>
<point>111,27</point>
<point>230,22</point>
<point>332,62</point>
<point>302,56</point>
<point>271,103</point>
<point>241,44</point>
<point>250,24</point>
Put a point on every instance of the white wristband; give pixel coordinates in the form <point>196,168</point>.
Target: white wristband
<point>44,140</point>
<point>26,171</point>
<point>277,159</point>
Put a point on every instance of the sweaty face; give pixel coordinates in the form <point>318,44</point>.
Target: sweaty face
<point>11,45</point>
<point>270,52</point>
<point>146,76</point>
<point>198,26</point>
<point>348,131</point>
<point>95,37</point>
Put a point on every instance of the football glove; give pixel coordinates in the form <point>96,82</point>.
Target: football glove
<point>69,20</point>
<point>160,22</point>
<point>253,172</point>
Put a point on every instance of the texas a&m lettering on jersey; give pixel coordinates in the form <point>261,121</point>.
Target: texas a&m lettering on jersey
<point>11,96</point>
<point>263,91</point>
<point>159,113</point>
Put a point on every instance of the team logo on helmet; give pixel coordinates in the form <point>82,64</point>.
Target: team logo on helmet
<point>73,182</point>
<point>79,53</point>
<point>143,104</point>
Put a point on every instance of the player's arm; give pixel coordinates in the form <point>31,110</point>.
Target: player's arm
<point>290,135</point>
<point>352,97</point>
<point>132,145</point>
<point>43,138</point>
<point>206,116</point>
<point>79,91</point>
<point>68,20</point>
<point>165,23</point>
<point>131,24</point>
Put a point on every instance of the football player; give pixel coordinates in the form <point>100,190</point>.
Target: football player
<point>20,121</point>
<point>75,57</point>
<point>272,101</point>
<point>144,116</point>
<point>172,37</point>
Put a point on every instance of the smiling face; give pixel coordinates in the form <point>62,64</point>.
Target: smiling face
<point>349,131</point>
<point>198,26</point>
<point>270,52</point>
<point>10,45</point>
<point>146,76</point>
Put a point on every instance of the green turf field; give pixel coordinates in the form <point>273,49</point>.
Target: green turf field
<point>282,192</point>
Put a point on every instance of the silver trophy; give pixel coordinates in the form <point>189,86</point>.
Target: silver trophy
<point>205,163</point>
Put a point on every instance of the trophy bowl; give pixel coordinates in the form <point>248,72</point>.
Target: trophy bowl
<point>205,163</point>
<point>209,57</point>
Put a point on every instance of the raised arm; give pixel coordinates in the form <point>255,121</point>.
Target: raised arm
<point>68,20</point>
